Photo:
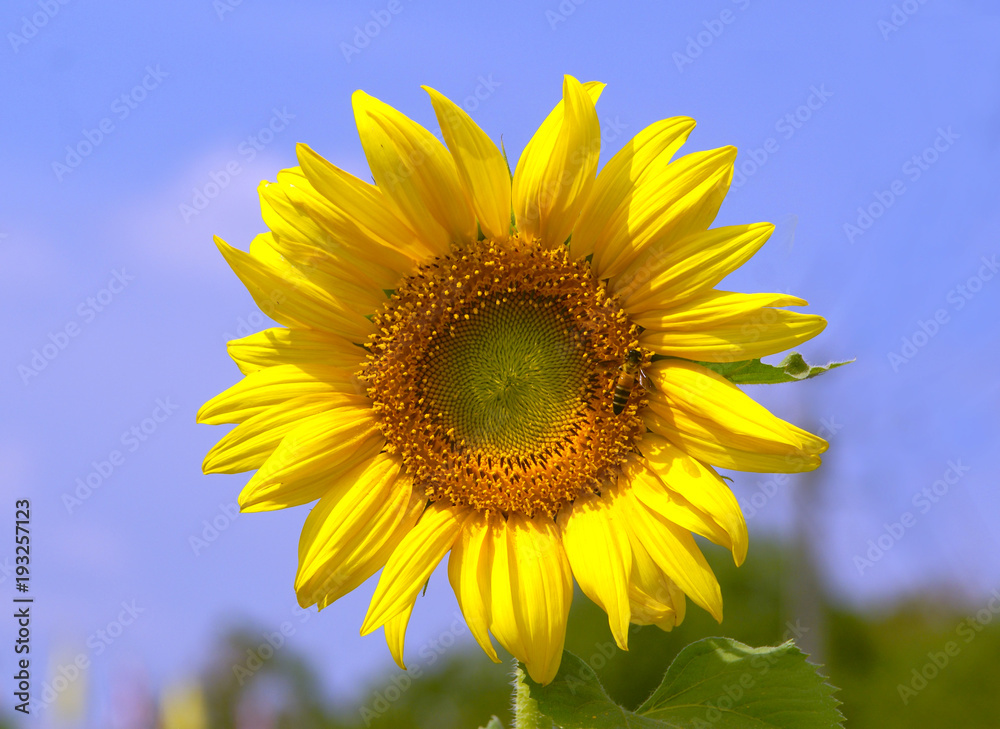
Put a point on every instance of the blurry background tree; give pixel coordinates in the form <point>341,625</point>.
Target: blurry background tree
<point>867,656</point>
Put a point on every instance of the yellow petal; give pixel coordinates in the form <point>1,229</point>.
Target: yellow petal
<point>556,171</point>
<point>353,279</point>
<point>615,182</point>
<point>481,166</point>
<point>350,533</point>
<point>670,271</point>
<point>395,633</point>
<point>357,211</point>
<point>469,569</point>
<point>288,297</point>
<point>308,280</point>
<point>411,563</point>
<point>250,443</point>
<point>653,597</point>
<point>652,492</point>
<point>674,551</point>
<point>699,485</point>
<point>711,419</point>
<point>285,221</point>
<point>721,326</point>
<point>647,610</point>
<point>380,262</point>
<point>311,456</point>
<point>315,273</point>
<point>541,587</point>
<point>668,202</point>
<point>598,551</point>
<point>503,623</point>
<point>414,170</point>
<point>270,386</point>
<point>279,346</point>
<point>710,307</point>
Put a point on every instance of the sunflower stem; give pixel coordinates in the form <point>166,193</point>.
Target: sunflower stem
<point>526,713</point>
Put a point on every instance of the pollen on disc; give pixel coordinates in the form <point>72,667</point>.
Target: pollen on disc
<point>493,372</point>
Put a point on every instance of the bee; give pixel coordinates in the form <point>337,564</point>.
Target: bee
<point>628,373</point>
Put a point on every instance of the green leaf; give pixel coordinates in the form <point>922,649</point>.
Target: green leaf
<point>731,685</point>
<point>494,724</point>
<point>715,682</point>
<point>576,700</point>
<point>754,372</point>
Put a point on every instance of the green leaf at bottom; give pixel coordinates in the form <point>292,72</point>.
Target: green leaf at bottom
<point>715,682</point>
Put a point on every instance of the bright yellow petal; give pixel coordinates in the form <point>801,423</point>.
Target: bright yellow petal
<point>250,443</point>
<point>381,262</point>
<point>411,563</point>
<point>529,565</point>
<point>711,419</point>
<point>304,277</point>
<point>469,569</point>
<point>270,386</point>
<point>414,170</point>
<point>556,171</point>
<point>395,633</point>
<point>311,456</point>
<point>653,597</point>
<point>698,484</point>
<point>598,551</point>
<point>350,533</point>
<point>647,487</point>
<point>668,202</point>
<point>503,623</point>
<point>354,280</point>
<point>647,610</point>
<point>616,181</point>
<point>709,308</point>
<point>481,166</point>
<point>541,586</point>
<point>316,275</point>
<point>674,551</point>
<point>280,346</point>
<point>357,211</point>
<point>671,271</point>
<point>721,326</point>
<point>288,297</point>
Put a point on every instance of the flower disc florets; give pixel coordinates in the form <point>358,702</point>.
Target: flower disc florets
<point>493,373</point>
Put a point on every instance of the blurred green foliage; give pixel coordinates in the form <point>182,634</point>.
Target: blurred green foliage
<point>867,657</point>
<point>949,667</point>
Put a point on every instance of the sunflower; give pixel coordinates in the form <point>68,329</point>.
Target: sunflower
<point>453,373</point>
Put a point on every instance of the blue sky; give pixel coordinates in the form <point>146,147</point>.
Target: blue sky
<point>868,133</point>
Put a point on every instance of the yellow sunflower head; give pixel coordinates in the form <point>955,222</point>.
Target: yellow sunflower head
<point>506,370</point>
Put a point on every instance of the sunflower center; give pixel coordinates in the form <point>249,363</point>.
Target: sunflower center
<point>493,373</point>
<point>507,379</point>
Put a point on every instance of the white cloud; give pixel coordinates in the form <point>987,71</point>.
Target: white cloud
<point>172,229</point>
